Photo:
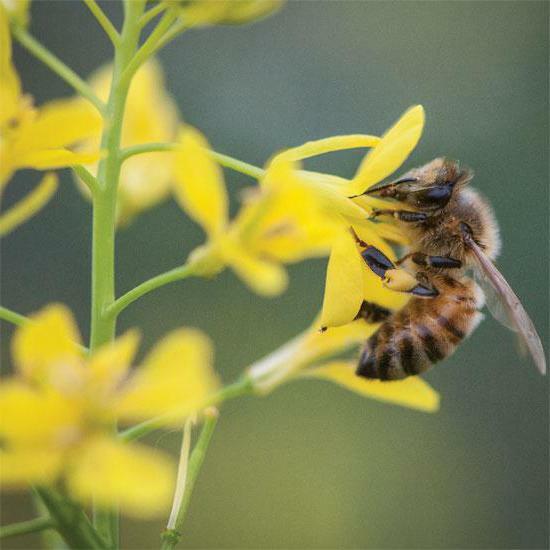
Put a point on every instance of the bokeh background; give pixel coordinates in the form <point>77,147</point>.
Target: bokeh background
<point>312,466</point>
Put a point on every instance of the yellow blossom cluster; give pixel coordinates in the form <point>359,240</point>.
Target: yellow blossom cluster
<point>32,137</point>
<point>58,409</point>
<point>60,406</point>
<point>296,214</point>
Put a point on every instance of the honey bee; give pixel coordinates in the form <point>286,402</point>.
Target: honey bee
<point>453,231</point>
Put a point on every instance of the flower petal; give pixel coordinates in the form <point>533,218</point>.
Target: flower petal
<point>19,10</point>
<point>58,124</point>
<point>344,282</point>
<point>25,466</point>
<point>395,146</point>
<point>113,473</point>
<point>47,159</point>
<point>329,145</point>
<point>335,340</point>
<point>391,232</point>
<point>412,392</point>
<point>43,418</point>
<point>50,339</point>
<point>29,205</point>
<point>176,379</point>
<point>10,86</point>
<point>264,277</point>
<point>200,188</point>
<point>110,364</point>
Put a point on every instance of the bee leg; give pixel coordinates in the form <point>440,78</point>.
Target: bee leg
<point>377,261</point>
<point>446,262</point>
<point>425,288</point>
<point>372,313</point>
<point>404,258</point>
<point>393,278</point>
<point>402,215</point>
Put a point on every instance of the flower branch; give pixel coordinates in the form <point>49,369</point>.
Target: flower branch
<point>71,521</point>
<point>171,536</point>
<point>243,386</point>
<point>87,177</point>
<point>57,66</point>
<point>149,46</point>
<point>165,278</point>
<point>12,317</point>
<point>104,21</point>
<point>151,14</point>
<point>225,160</point>
<point>26,527</point>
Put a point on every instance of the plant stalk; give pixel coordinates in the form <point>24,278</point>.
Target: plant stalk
<point>104,215</point>
<point>57,66</point>
<point>70,521</point>
<point>25,527</point>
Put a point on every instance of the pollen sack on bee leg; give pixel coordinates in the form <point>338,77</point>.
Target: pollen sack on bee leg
<point>399,280</point>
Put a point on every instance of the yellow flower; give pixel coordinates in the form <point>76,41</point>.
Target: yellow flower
<point>36,137</point>
<point>297,214</point>
<point>276,225</point>
<point>223,12</point>
<point>18,9</point>
<point>322,354</point>
<point>349,281</point>
<point>151,115</point>
<point>59,405</point>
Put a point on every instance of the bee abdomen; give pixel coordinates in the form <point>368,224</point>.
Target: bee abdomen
<point>412,340</point>
<point>395,359</point>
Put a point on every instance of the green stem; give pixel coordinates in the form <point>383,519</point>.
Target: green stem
<point>50,539</point>
<point>225,160</point>
<point>57,66</point>
<point>171,536</point>
<point>142,148</point>
<point>239,165</point>
<point>125,300</point>
<point>71,522</point>
<point>174,31</point>
<point>87,178</point>
<point>241,387</point>
<point>104,214</point>
<point>149,45</point>
<point>12,317</point>
<point>25,527</point>
<point>104,21</point>
<point>151,14</point>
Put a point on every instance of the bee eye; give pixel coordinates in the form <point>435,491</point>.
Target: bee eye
<point>435,196</point>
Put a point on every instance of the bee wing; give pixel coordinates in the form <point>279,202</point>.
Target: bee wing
<point>505,306</point>
<point>493,300</point>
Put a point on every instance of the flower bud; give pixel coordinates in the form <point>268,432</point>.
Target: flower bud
<point>224,12</point>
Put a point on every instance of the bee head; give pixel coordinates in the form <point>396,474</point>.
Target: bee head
<point>429,187</point>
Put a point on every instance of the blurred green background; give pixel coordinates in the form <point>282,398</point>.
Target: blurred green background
<point>312,466</point>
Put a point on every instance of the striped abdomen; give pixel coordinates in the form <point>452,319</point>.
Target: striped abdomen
<point>424,332</point>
